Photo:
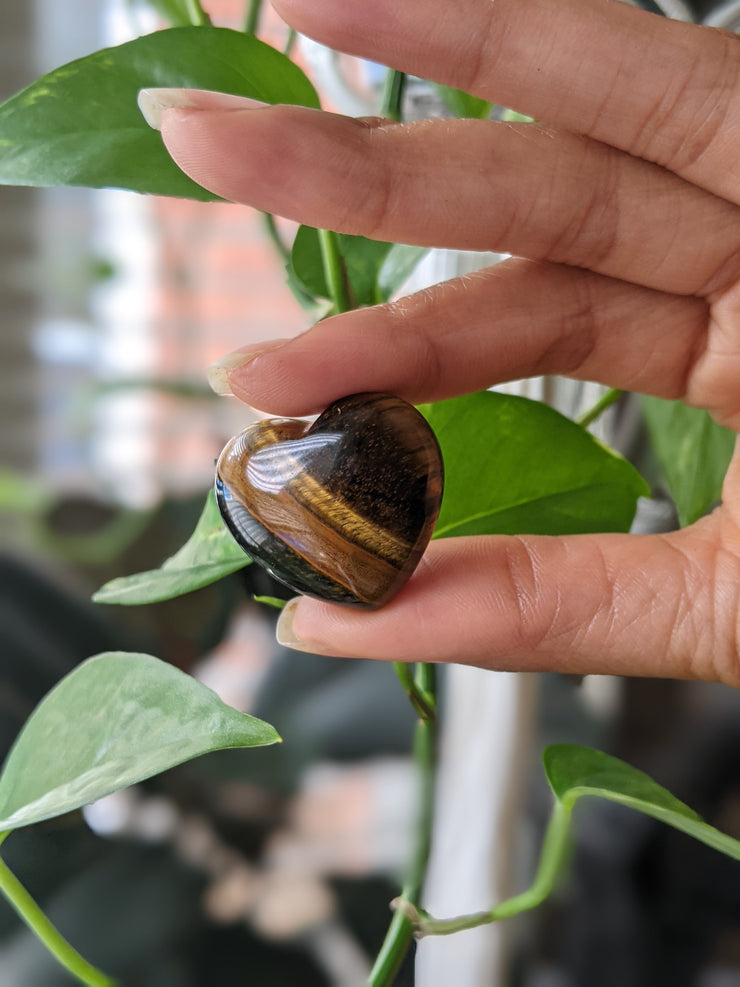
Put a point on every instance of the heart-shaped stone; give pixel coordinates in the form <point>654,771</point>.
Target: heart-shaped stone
<point>340,509</point>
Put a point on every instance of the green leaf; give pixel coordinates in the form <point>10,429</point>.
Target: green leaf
<point>80,125</point>
<point>693,451</point>
<point>574,772</point>
<point>514,466</point>
<point>397,267</point>
<point>512,116</point>
<point>305,269</point>
<point>209,554</point>
<point>375,270</point>
<point>117,719</point>
<point>462,104</point>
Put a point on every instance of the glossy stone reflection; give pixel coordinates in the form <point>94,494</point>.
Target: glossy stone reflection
<point>341,509</point>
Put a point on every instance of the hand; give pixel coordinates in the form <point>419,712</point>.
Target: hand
<point>621,208</point>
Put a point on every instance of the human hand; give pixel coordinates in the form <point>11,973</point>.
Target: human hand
<point>621,208</point>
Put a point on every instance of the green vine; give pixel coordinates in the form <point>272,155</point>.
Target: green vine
<point>552,858</point>
<point>401,930</point>
<point>37,921</point>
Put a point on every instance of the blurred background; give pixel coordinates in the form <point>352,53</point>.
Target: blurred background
<point>277,866</point>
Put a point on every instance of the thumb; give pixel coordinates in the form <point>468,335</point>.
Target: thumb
<point>586,604</point>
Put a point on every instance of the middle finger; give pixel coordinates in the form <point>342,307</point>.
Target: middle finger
<point>474,185</point>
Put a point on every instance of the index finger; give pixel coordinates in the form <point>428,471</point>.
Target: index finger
<point>659,89</point>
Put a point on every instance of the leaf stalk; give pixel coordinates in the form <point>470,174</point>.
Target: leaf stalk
<point>552,857</point>
<point>252,17</point>
<point>334,272</point>
<point>607,399</point>
<point>196,13</point>
<point>392,98</point>
<point>49,935</point>
<point>401,929</point>
<point>423,704</point>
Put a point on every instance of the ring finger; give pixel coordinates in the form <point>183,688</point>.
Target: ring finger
<point>516,319</point>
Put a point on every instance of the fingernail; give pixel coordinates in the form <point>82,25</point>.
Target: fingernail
<point>152,102</point>
<point>286,635</point>
<point>219,373</point>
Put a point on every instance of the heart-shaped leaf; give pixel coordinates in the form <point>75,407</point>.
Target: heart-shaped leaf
<point>694,453</point>
<point>574,772</point>
<point>209,554</point>
<point>117,719</point>
<point>80,125</point>
<point>515,466</point>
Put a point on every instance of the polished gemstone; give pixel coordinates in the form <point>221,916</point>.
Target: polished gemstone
<point>341,508</point>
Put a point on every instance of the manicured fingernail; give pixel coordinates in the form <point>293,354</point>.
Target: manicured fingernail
<point>152,102</point>
<point>286,635</point>
<point>219,373</point>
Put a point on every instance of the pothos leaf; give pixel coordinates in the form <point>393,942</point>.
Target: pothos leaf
<point>693,451</point>
<point>209,554</point>
<point>574,772</point>
<point>515,466</point>
<point>80,124</point>
<point>115,720</point>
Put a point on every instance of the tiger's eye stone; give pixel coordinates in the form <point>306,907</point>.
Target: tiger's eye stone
<point>340,509</point>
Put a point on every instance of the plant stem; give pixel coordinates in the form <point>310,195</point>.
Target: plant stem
<point>401,930</point>
<point>290,41</point>
<point>553,853</point>
<point>426,681</point>
<point>392,101</point>
<point>607,399</point>
<point>198,16</point>
<point>252,18</point>
<point>334,271</point>
<point>418,700</point>
<point>396,944</point>
<point>37,921</point>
